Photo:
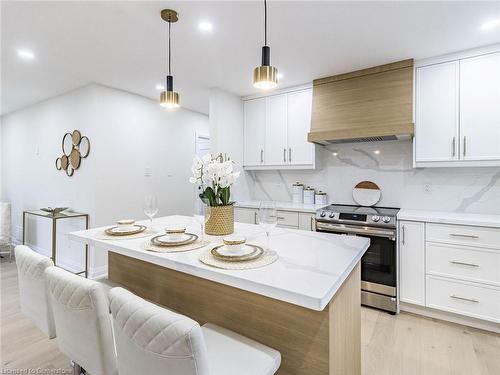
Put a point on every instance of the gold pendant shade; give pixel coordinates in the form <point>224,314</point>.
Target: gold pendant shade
<point>265,77</point>
<point>169,99</point>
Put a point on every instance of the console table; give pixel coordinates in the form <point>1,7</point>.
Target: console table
<point>54,218</point>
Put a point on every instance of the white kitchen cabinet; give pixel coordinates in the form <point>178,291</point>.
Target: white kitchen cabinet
<point>276,129</point>
<point>457,110</point>
<point>276,134</point>
<point>255,131</point>
<point>245,215</point>
<point>300,152</point>
<point>412,262</point>
<point>480,107</point>
<point>436,104</point>
<point>286,218</point>
<point>306,221</point>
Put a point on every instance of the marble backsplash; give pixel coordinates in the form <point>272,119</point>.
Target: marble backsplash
<point>390,165</point>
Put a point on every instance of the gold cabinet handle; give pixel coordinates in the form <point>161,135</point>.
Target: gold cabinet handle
<point>290,155</point>
<point>463,263</point>
<point>284,155</point>
<point>255,217</point>
<point>465,145</point>
<point>312,222</point>
<point>453,147</point>
<point>464,299</point>
<point>262,156</point>
<point>280,217</point>
<point>403,234</point>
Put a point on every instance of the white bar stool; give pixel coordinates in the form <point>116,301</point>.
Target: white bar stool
<point>152,340</point>
<point>32,293</point>
<point>82,321</point>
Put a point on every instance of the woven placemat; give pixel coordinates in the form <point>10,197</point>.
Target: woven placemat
<point>104,236</point>
<point>198,244</point>
<point>267,258</point>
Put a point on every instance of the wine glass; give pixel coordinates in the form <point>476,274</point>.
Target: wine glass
<point>150,208</point>
<point>268,218</point>
<point>201,214</point>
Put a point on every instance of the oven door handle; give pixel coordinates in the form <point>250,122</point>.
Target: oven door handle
<point>350,229</point>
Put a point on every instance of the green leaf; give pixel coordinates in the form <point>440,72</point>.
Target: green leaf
<point>210,195</point>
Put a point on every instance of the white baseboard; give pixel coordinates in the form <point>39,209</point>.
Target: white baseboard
<point>98,272</point>
<point>450,317</point>
<point>69,264</point>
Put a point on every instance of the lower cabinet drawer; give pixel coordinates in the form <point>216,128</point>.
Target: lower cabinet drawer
<point>288,219</point>
<point>464,298</point>
<point>463,235</point>
<point>472,264</point>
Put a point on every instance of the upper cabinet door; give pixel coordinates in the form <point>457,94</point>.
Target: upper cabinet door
<point>436,112</point>
<point>300,152</point>
<point>480,107</point>
<point>254,131</point>
<point>275,148</point>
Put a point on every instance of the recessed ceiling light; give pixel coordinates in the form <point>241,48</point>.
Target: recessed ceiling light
<point>490,24</point>
<point>205,26</point>
<point>280,75</point>
<point>376,152</point>
<point>160,87</point>
<point>25,54</point>
<point>335,153</point>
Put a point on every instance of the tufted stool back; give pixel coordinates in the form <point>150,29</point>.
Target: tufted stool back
<point>154,340</point>
<point>82,321</point>
<point>32,294</point>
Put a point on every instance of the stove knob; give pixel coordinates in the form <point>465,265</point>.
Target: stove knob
<point>386,219</point>
<point>322,214</point>
<point>375,218</point>
<point>332,215</point>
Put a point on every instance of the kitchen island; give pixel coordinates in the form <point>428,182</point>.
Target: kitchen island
<point>306,304</point>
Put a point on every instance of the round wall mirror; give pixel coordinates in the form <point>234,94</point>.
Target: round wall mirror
<point>58,164</point>
<point>84,147</point>
<point>70,171</point>
<point>67,144</point>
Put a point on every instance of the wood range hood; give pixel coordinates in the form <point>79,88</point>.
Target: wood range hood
<point>373,104</point>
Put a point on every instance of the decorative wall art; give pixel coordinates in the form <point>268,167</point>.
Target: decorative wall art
<point>75,147</point>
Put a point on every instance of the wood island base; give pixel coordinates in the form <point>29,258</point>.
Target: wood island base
<point>310,342</point>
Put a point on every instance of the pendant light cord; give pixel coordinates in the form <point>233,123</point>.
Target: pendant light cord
<point>169,53</point>
<point>265,22</point>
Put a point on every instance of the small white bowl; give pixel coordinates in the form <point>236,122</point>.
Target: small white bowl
<point>175,233</point>
<point>126,225</point>
<point>234,243</point>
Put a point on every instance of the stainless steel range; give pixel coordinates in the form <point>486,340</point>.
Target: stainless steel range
<point>379,264</point>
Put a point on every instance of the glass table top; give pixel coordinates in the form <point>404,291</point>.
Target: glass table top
<point>60,215</point>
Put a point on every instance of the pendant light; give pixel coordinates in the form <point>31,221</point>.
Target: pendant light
<point>169,98</point>
<point>265,77</point>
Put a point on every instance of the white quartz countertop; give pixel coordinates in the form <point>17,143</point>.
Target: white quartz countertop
<point>285,206</point>
<point>311,267</point>
<point>450,218</point>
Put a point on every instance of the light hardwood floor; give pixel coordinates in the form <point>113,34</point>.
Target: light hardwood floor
<point>402,344</point>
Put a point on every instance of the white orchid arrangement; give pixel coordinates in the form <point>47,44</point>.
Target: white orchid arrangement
<point>214,175</point>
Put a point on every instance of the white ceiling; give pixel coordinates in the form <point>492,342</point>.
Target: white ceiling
<point>122,44</point>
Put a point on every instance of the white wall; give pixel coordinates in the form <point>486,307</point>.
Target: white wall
<point>128,134</point>
<point>226,134</point>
